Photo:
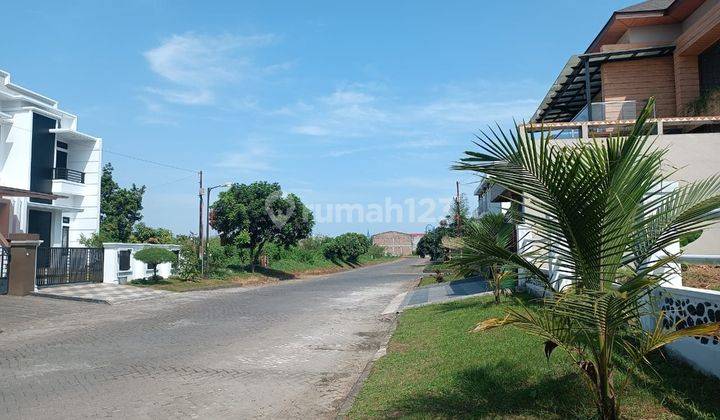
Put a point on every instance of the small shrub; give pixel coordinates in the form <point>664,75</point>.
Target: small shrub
<point>154,256</point>
<point>347,247</point>
<point>376,251</point>
<point>188,267</point>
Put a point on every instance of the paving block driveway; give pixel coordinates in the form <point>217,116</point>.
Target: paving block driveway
<point>286,351</point>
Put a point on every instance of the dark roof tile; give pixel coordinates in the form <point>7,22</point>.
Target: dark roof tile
<point>648,6</point>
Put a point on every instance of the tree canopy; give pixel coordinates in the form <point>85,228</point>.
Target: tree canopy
<point>120,208</point>
<point>251,215</point>
<point>143,233</point>
<point>347,247</point>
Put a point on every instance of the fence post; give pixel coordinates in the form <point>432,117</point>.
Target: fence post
<point>23,263</point>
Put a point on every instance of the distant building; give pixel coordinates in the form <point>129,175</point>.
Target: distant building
<point>397,243</point>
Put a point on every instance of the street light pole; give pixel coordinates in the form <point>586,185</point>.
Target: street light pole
<point>207,221</point>
<point>201,243</point>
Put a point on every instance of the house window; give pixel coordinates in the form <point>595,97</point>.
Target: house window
<point>124,260</point>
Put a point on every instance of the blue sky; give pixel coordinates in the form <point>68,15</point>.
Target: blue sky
<point>342,103</point>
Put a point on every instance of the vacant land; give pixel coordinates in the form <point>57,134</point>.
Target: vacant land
<point>702,276</point>
<point>278,271</point>
<point>435,368</point>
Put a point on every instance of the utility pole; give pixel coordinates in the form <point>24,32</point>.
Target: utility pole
<point>201,238</point>
<point>458,219</point>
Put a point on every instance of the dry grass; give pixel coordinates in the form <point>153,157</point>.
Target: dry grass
<point>702,276</point>
<point>175,284</point>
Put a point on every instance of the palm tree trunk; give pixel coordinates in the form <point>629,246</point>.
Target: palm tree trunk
<point>608,401</point>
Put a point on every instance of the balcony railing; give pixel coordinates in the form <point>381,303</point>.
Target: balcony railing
<point>69,175</point>
<point>612,111</point>
<point>599,129</point>
<point>604,111</point>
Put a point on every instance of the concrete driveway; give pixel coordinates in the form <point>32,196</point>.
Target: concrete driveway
<point>287,351</point>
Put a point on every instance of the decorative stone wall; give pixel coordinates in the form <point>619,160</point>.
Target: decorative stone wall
<point>683,307</point>
<point>682,312</point>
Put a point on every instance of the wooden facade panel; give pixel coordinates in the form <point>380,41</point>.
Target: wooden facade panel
<point>638,80</point>
<point>701,35</point>
<point>687,81</point>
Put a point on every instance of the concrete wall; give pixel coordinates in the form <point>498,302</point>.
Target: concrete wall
<point>689,306</point>
<point>651,35</point>
<point>695,157</point>
<point>679,304</point>
<point>138,269</point>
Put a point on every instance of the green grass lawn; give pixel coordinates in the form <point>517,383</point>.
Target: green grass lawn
<point>299,268</point>
<point>435,368</point>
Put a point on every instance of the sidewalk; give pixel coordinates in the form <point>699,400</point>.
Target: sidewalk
<point>100,292</point>
<point>444,292</point>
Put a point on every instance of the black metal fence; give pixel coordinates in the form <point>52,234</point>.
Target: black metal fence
<point>69,175</point>
<point>69,265</point>
<point>4,269</point>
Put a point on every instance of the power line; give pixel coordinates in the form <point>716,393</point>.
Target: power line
<point>171,182</point>
<point>166,165</point>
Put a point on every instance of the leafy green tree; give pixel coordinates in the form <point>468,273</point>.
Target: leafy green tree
<point>595,209</point>
<point>250,216</point>
<point>154,256</point>
<point>347,247</point>
<point>495,229</point>
<point>430,245</point>
<point>120,208</point>
<point>459,212</point>
<point>142,233</point>
<point>188,266</point>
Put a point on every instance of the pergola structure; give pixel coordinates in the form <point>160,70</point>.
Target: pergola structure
<point>580,81</point>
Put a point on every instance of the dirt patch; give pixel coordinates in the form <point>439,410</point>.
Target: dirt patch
<point>702,276</point>
<point>253,281</point>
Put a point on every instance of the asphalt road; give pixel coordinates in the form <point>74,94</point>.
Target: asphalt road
<point>288,351</point>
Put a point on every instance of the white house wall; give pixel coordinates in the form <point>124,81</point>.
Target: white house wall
<point>84,154</point>
<point>16,151</point>
<point>138,269</point>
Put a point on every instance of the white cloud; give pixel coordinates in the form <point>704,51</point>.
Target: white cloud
<point>195,67</point>
<point>201,60</point>
<point>185,97</point>
<point>347,97</point>
<point>311,130</point>
<point>360,111</point>
<point>253,157</point>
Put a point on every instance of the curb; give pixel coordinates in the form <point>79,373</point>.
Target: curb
<point>349,399</point>
<point>75,298</point>
<point>395,309</point>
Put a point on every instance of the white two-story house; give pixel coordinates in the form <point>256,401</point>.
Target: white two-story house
<point>49,171</point>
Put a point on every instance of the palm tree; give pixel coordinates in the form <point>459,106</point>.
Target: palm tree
<point>606,211</point>
<point>490,228</point>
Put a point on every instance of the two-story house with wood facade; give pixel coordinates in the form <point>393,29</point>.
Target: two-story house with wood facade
<point>666,49</point>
